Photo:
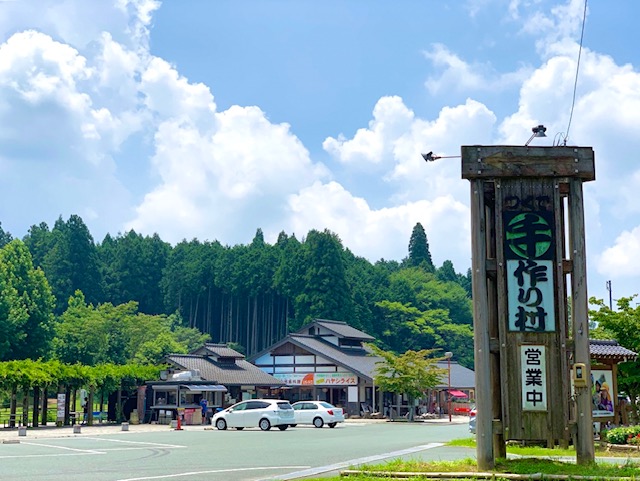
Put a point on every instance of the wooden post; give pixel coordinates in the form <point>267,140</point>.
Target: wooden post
<point>585,451</point>
<point>519,278</point>
<point>484,416</point>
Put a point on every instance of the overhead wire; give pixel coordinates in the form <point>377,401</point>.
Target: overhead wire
<point>575,83</point>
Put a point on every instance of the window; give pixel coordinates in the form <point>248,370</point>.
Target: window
<point>284,405</point>
<point>240,407</point>
<point>350,343</point>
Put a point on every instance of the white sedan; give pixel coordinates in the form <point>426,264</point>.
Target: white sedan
<point>263,413</point>
<point>317,413</point>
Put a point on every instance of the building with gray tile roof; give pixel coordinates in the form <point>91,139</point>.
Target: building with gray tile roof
<point>218,351</point>
<point>330,360</point>
<point>462,378</point>
<point>213,372</point>
<point>610,349</point>
<point>238,373</point>
<point>338,328</point>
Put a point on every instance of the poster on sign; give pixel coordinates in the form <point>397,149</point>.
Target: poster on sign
<point>601,388</point>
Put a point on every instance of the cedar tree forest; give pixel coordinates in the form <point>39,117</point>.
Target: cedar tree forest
<point>134,298</point>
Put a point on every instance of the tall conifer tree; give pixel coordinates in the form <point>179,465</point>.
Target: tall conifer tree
<point>419,255</point>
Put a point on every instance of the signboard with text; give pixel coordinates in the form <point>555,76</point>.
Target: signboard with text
<point>529,252</point>
<point>534,378</point>
<point>318,379</point>
<point>533,361</point>
<point>60,407</point>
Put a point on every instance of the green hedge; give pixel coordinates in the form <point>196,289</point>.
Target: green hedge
<point>624,435</point>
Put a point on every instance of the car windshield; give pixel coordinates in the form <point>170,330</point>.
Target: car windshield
<point>326,405</point>
<point>284,405</point>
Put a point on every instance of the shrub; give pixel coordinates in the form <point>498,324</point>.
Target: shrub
<point>624,435</point>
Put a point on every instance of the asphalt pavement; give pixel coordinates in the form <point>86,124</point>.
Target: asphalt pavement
<point>52,431</point>
<point>137,452</point>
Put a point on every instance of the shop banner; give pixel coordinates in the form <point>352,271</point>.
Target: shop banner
<point>318,379</point>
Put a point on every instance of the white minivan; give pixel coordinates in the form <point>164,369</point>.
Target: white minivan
<point>262,413</point>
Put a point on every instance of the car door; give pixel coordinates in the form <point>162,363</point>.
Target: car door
<point>308,410</point>
<point>297,412</point>
<point>235,418</point>
<point>253,413</point>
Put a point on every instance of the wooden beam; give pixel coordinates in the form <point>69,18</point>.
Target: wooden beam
<point>495,161</point>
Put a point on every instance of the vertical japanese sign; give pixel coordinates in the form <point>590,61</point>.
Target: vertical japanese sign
<point>529,253</point>
<point>60,407</point>
<point>534,378</point>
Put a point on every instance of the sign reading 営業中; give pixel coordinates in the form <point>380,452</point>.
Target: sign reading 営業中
<point>534,377</point>
<point>318,379</point>
<point>529,254</point>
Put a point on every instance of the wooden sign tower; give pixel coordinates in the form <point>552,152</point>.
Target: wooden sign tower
<point>527,221</point>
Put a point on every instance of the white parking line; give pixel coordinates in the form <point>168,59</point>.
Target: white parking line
<point>131,446</point>
<point>354,462</point>
<point>143,443</point>
<point>58,455</point>
<point>81,451</point>
<point>197,473</point>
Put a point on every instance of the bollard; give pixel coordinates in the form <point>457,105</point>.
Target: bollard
<point>22,431</point>
<point>77,429</point>
<point>125,426</point>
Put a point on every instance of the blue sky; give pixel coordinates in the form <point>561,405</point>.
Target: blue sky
<point>209,119</point>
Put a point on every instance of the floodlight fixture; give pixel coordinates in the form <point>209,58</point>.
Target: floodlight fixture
<point>538,131</point>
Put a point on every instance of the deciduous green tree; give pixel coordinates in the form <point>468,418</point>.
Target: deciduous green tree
<point>424,313</point>
<point>411,373</point>
<point>5,237</point>
<point>119,334</point>
<point>28,305</point>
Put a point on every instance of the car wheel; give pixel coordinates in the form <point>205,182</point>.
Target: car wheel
<point>318,422</point>
<point>239,429</point>
<point>221,424</point>
<point>264,424</point>
<point>293,425</point>
<point>283,427</point>
<point>332,425</point>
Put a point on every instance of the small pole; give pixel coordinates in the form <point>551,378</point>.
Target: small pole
<point>449,355</point>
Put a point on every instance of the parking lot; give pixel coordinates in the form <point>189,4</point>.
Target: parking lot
<point>148,452</point>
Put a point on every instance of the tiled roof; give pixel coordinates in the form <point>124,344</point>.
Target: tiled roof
<point>356,360</point>
<point>609,349</point>
<point>239,373</point>
<point>342,329</point>
<point>461,377</point>
<point>361,362</point>
<point>221,350</point>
